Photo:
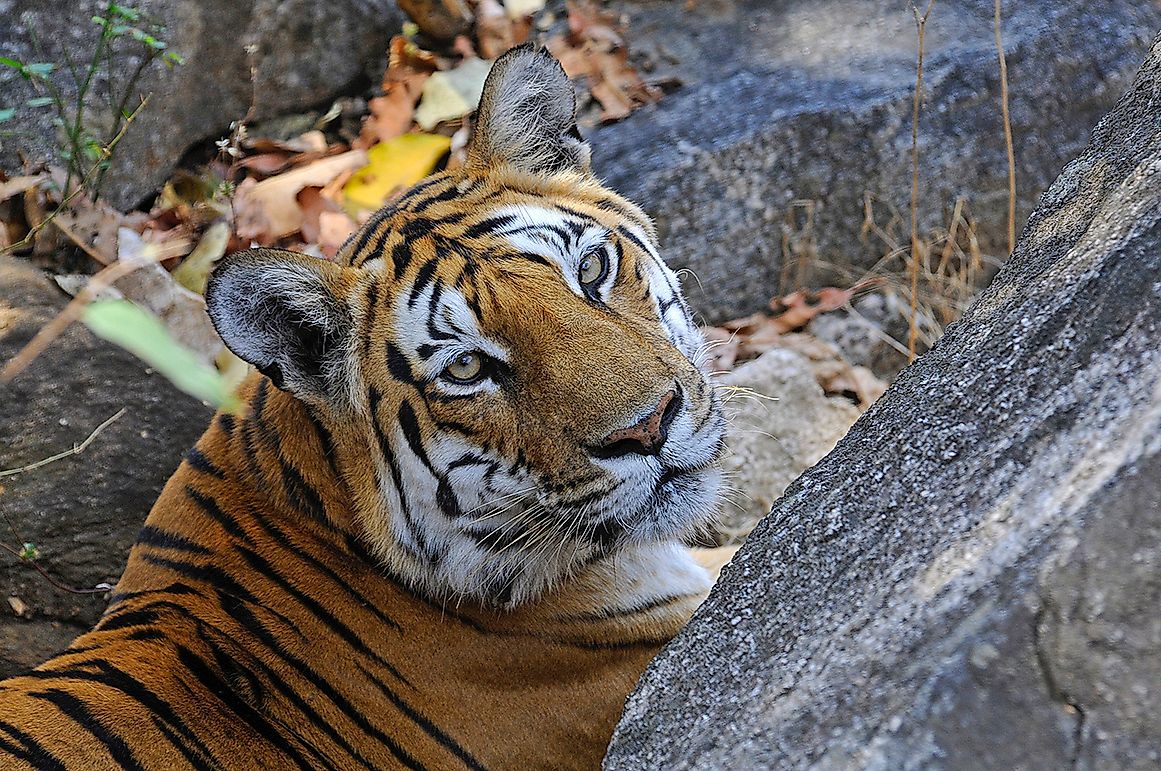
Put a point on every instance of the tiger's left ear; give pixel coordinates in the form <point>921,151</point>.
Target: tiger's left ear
<point>527,117</point>
<point>287,314</point>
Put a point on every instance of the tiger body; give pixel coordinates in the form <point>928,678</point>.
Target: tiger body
<point>445,529</point>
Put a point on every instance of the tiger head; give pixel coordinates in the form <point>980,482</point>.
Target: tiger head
<point>513,379</point>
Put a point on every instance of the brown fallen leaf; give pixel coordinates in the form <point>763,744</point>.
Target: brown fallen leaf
<point>441,19</point>
<point>19,607</point>
<point>313,204</point>
<point>334,228</point>
<point>268,210</point>
<point>594,48</point>
<point>17,185</point>
<point>408,68</point>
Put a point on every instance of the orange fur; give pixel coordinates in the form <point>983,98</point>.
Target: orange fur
<point>375,564</point>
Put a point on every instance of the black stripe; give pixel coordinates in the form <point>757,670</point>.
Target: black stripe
<point>374,398</point>
<point>31,751</point>
<point>401,257</point>
<point>328,619</point>
<point>301,494</point>
<point>398,365</point>
<point>75,709</point>
<point>210,507</point>
<point>226,422</point>
<point>424,277</point>
<point>359,600</point>
<point>245,617</point>
<point>208,574</point>
<point>489,226</point>
<point>199,462</point>
<point>371,301</point>
<point>430,728</point>
<point>340,701</point>
<point>100,671</point>
<point>227,693</point>
<point>410,426</point>
<point>162,539</point>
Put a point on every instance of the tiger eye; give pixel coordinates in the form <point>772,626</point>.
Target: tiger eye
<point>466,367</point>
<point>591,268</point>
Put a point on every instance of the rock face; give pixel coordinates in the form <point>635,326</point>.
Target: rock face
<point>82,511</point>
<point>809,101</point>
<point>305,52</point>
<point>972,577</point>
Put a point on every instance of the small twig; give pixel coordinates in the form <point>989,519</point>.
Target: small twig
<point>100,588</point>
<point>1007,134</point>
<point>69,196</point>
<point>76,449</point>
<point>913,269</point>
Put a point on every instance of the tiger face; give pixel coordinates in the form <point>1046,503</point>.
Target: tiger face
<point>511,374</point>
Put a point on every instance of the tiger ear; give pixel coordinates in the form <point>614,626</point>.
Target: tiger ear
<point>527,117</point>
<point>285,313</point>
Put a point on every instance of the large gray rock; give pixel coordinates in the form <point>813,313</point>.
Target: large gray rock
<point>972,577</point>
<point>811,100</point>
<point>82,511</point>
<point>305,52</point>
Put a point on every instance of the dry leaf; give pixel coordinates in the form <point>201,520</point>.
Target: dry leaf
<point>19,607</point>
<point>441,19</point>
<point>269,209</point>
<point>595,49</point>
<point>334,228</point>
<point>408,68</point>
<point>453,94</point>
<point>194,270</point>
<point>18,185</point>
<point>395,165</point>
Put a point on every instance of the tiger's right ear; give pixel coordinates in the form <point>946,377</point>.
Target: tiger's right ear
<point>527,117</point>
<point>286,314</point>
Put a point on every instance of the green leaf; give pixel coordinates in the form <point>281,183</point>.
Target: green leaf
<point>39,101</point>
<point>29,552</point>
<point>15,64</point>
<point>145,336</point>
<point>39,69</point>
<point>7,113</point>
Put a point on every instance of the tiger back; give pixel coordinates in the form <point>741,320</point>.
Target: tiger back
<point>446,529</point>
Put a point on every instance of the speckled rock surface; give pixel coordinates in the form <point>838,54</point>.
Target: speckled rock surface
<point>305,53</point>
<point>780,425</point>
<point>82,511</point>
<point>971,579</point>
<point>810,100</point>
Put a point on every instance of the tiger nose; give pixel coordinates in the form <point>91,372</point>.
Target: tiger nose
<point>647,436</point>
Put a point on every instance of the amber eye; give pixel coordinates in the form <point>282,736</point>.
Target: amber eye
<point>593,268</point>
<point>466,368</point>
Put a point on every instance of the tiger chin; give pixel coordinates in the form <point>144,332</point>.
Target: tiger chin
<point>446,528</point>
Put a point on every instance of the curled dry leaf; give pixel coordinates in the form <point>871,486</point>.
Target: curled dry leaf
<point>268,210</point>
<point>408,68</point>
<point>595,49</point>
<point>749,337</point>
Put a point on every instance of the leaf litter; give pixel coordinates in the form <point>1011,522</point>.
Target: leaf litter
<point>309,191</point>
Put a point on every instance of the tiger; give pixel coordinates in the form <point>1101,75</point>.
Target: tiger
<point>445,528</point>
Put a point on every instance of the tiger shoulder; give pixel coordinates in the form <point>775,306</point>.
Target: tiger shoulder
<point>445,529</point>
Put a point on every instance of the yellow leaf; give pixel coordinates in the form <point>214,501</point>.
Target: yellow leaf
<point>195,269</point>
<point>392,165</point>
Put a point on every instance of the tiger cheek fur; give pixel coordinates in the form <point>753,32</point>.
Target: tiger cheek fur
<point>445,529</point>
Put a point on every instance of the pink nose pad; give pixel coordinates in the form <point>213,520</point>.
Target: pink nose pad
<point>647,436</point>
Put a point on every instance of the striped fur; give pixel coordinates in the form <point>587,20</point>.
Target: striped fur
<point>376,564</point>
